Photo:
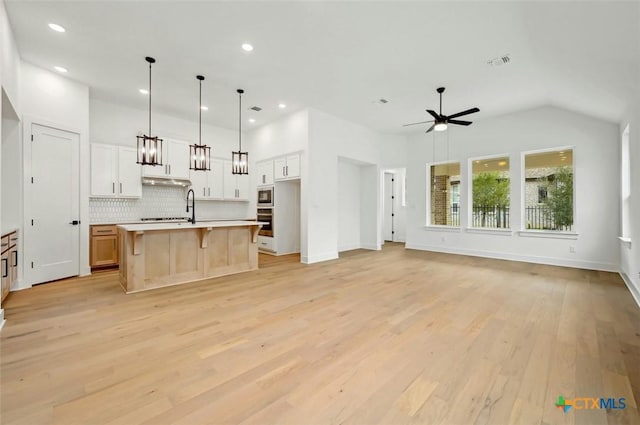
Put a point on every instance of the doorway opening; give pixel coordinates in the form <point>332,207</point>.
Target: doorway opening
<point>393,205</point>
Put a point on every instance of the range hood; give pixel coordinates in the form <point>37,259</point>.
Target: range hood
<point>162,181</point>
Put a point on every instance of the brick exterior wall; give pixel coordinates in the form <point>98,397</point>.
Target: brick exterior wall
<point>440,202</point>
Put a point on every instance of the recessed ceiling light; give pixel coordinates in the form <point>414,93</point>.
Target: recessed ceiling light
<point>251,120</point>
<point>204,108</point>
<point>144,91</point>
<point>282,105</point>
<point>561,152</point>
<point>502,163</point>
<point>57,28</point>
<point>247,47</point>
<point>61,69</point>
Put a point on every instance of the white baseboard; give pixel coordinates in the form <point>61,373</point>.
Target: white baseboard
<point>578,264</point>
<point>373,247</point>
<point>319,258</point>
<point>2,321</point>
<point>633,288</point>
<point>349,247</point>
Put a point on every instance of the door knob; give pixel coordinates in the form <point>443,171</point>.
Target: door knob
<point>75,222</point>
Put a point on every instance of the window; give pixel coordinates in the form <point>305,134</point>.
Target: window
<point>549,173</point>
<point>444,194</point>
<point>490,193</point>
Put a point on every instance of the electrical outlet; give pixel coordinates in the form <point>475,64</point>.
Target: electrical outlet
<point>572,249</point>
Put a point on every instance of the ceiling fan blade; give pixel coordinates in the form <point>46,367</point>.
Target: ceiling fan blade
<point>434,114</point>
<point>467,112</point>
<point>416,123</point>
<point>430,128</point>
<point>459,122</point>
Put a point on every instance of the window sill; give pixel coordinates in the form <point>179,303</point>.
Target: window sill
<point>489,231</point>
<point>434,228</point>
<point>625,241</point>
<point>548,234</point>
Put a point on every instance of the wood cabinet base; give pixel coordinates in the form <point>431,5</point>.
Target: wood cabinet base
<point>158,258</point>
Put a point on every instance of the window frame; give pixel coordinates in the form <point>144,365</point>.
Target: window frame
<point>470,227</point>
<point>428,223</point>
<point>559,234</point>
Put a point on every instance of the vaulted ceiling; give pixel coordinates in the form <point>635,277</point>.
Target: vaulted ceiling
<point>341,57</point>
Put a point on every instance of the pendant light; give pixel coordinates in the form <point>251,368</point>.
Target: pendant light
<point>240,160</point>
<point>149,147</point>
<point>200,155</point>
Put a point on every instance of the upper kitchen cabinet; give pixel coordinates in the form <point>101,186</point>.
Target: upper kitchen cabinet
<point>235,186</point>
<point>208,185</point>
<point>264,169</point>
<point>175,161</point>
<point>287,167</point>
<point>114,172</point>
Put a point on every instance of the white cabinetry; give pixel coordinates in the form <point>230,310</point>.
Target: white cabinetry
<point>175,161</point>
<point>129,173</point>
<point>287,167</point>
<point>114,172</point>
<point>208,185</point>
<point>235,186</point>
<point>264,169</point>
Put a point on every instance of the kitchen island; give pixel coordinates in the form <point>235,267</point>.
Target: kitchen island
<point>156,255</point>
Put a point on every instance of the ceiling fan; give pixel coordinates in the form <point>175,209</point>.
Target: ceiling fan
<point>440,121</point>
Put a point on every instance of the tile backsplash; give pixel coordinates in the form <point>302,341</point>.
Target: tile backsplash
<point>163,201</point>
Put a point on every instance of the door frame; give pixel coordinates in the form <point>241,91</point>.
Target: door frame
<point>384,204</point>
<point>83,186</point>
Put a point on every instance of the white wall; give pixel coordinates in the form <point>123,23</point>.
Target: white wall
<point>10,85</point>
<point>349,189</point>
<point>52,100</point>
<point>596,151</point>
<point>9,61</point>
<point>329,138</point>
<point>630,253</point>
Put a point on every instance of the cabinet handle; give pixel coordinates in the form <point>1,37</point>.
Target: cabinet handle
<point>169,168</point>
<point>264,176</point>
<point>5,264</point>
<point>103,231</point>
<point>283,172</point>
<point>15,259</point>
<point>204,191</point>
<point>113,187</point>
<point>120,188</point>
<point>209,191</point>
<point>287,168</point>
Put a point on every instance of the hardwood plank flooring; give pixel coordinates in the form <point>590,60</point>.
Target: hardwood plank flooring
<point>390,337</point>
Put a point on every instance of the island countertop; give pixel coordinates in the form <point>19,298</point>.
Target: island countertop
<point>141,227</point>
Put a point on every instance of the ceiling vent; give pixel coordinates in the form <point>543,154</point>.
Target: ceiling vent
<point>380,101</point>
<point>502,60</point>
<point>256,108</point>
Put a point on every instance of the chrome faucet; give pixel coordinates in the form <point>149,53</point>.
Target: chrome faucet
<point>192,220</point>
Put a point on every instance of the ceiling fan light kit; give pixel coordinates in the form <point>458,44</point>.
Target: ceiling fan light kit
<point>441,122</point>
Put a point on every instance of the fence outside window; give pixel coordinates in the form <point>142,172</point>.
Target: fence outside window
<point>537,217</point>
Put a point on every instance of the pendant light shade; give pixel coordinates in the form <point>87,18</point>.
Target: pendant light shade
<point>199,154</point>
<point>149,147</point>
<point>239,159</point>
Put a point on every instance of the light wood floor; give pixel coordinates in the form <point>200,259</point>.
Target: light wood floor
<point>392,337</point>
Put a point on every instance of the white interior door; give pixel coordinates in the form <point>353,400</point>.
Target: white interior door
<point>389,194</point>
<point>51,239</point>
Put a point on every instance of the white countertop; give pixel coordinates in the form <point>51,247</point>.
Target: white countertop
<point>182,225</point>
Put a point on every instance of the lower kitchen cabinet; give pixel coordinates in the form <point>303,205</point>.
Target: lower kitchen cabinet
<point>9,263</point>
<point>104,246</point>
